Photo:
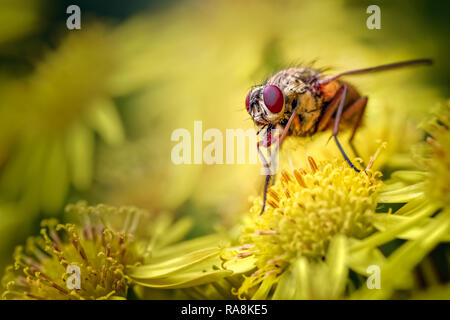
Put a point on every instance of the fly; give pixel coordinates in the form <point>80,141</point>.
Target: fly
<point>302,102</point>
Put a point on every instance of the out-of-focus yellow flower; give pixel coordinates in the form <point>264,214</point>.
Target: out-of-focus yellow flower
<point>102,244</point>
<point>49,123</point>
<point>49,119</point>
<point>18,18</point>
<point>100,253</point>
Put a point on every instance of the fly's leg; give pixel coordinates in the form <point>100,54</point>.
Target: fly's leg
<point>268,177</point>
<point>280,140</point>
<point>266,187</point>
<point>330,109</point>
<point>286,128</point>
<point>358,107</point>
<point>336,127</point>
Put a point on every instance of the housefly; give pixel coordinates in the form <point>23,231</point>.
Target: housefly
<point>303,101</point>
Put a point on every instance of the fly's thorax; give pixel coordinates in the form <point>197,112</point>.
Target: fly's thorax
<point>294,78</point>
<point>309,110</point>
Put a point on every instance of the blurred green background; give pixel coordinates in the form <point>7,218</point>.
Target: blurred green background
<point>88,114</point>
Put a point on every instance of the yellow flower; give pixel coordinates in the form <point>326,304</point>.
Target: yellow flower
<point>100,253</point>
<point>425,218</point>
<point>432,181</point>
<point>438,185</point>
<point>19,18</point>
<point>306,210</point>
<point>320,226</point>
<point>48,122</point>
<point>101,246</point>
<point>51,124</point>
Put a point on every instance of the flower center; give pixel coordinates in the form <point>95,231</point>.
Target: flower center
<point>306,209</point>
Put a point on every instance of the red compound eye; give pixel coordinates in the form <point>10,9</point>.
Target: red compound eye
<point>247,101</point>
<point>273,98</point>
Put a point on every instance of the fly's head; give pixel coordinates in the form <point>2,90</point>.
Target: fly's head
<point>265,104</point>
